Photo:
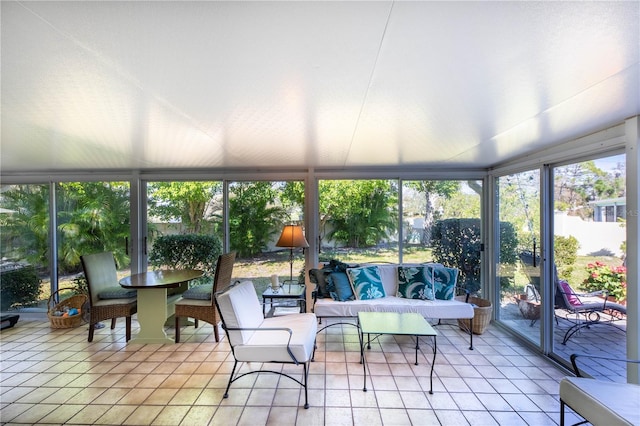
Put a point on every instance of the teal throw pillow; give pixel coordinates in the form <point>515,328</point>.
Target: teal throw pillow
<point>199,292</point>
<point>116,293</point>
<point>415,282</point>
<point>366,282</point>
<point>339,287</point>
<point>444,282</point>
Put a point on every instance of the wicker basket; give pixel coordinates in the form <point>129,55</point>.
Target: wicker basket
<point>76,301</point>
<point>481,314</point>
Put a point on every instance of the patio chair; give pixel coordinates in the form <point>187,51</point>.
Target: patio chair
<point>600,402</point>
<point>107,300</point>
<point>288,339</point>
<point>584,314</point>
<point>197,302</point>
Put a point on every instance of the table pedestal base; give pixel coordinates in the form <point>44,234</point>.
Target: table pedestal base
<point>152,314</point>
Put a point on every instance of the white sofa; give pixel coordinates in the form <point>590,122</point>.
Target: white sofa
<point>429,309</point>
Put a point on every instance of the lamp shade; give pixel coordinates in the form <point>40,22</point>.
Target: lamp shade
<point>292,237</point>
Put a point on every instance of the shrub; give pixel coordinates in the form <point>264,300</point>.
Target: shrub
<point>457,243</point>
<point>565,251</point>
<point>612,280</point>
<point>19,286</point>
<point>187,251</point>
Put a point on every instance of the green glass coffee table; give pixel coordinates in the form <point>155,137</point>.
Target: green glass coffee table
<point>407,324</point>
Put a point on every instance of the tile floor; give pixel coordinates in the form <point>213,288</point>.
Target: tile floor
<point>55,377</point>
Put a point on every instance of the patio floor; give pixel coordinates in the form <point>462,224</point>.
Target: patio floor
<point>599,339</point>
<point>53,376</point>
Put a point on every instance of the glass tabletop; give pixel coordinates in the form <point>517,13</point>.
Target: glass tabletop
<point>285,290</point>
<point>394,323</point>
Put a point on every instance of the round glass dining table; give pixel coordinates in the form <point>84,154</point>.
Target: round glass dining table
<point>152,300</point>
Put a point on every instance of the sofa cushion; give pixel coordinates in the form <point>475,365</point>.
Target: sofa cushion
<point>444,282</point>
<point>366,282</point>
<point>435,309</point>
<point>415,282</point>
<point>339,287</point>
<point>389,276</point>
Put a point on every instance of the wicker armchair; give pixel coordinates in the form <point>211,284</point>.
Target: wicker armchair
<point>204,308</point>
<point>107,300</point>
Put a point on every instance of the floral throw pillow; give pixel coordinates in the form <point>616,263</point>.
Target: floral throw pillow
<point>415,282</point>
<point>366,282</point>
<point>444,282</point>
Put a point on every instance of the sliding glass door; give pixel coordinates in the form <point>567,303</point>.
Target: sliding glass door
<point>518,250</point>
<point>25,281</point>
<point>258,214</point>
<point>442,223</point>
<point>589,246</point>
<point>91,217</point>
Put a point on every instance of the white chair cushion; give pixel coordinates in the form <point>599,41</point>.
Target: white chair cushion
<point>240,308</point>
<point>600,402</point>
<point>271,346</point>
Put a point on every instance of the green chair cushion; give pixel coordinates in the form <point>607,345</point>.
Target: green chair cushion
<point>116,293</point>
<point>199,292</point>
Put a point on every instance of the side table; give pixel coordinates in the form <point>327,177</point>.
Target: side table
<point>295,292</point>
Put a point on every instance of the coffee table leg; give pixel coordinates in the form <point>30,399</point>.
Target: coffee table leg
<point>362,358</point>
<point>433,363</point>
<point>417,347</point>
<point>364,370</point>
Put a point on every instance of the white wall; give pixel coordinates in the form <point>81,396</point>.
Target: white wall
<point>594,237</point>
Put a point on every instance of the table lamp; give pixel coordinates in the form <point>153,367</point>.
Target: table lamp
<point>292,237</point>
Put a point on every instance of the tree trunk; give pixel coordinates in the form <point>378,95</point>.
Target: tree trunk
<point>428,221</point>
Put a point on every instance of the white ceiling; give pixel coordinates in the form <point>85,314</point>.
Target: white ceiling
<point>163,85</point>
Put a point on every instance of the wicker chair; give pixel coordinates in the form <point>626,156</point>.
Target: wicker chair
<point>204,308</point>
<point>107,300</point>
